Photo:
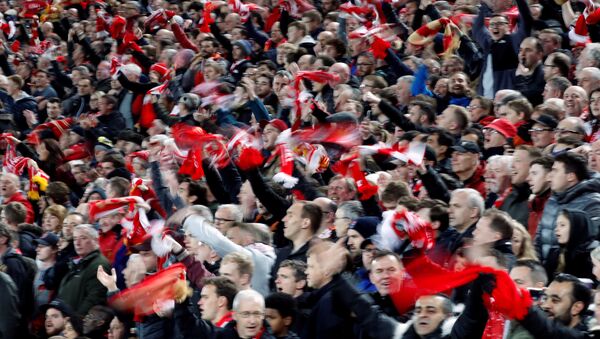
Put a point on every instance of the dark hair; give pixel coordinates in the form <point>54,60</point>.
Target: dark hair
<point>283,303</point>
<point>111,100</point>
<point>59,192</point>
<point>299,268</point>
<point>224,287</point>
<point>580,291</point>
<point>440,214</point>
<point>538,272</point>
<point>477,132</point>
<point>5,232</point>
<point>55,153</point>
<point>533,152</point>
<point>54,100</point>
<point>500,222</point>
<point>574,163</point>
<point>338,44</point>
<point>444,138</point>
<point>563,63</point>
<point>561,83</point>
<point>15,212</point>
<point>199,190</point>
<point>394,191</point>
<point>312,211</point>
<point>384,253</point>
<point>426,109</point>
<point>545,161</point>
<point>115,158</point>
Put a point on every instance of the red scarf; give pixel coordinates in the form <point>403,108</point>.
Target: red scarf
<point>225,319</point>
<point>269,44</point>
<point>498,203</point>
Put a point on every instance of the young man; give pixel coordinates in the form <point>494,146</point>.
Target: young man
<point>280,313</point>
<point>216,300</point>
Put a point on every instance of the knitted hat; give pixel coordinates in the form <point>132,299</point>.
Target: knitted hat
<point>244,45</point>
<point>365,226</point>
<point>161,69</point>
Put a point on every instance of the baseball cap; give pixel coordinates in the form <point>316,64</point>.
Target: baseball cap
<point>59,305</point>
<point>50,239</point>
<point>277,123</point>
<point>546,120</point>
<point>466,147</point>
<point>504,127</point>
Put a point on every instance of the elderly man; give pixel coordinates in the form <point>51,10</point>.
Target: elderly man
<point>589,79</point>
<point>226,215</point>
<point>80,288</point>
<point>9,190</point>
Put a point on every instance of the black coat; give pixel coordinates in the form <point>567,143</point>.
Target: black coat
<point>517,203</point>
<point>109,126</point>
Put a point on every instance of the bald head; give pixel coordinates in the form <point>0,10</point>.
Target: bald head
<point>342,70</point>
<point>576,100</point>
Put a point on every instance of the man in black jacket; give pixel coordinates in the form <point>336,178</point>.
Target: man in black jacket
<point>108,124</point>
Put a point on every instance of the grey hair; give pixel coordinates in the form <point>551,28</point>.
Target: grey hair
<point>474,199</point>
<point>250,295</point>
<point>203,211</point>
<point>351,209</point>
<point>408,79</point>
<point>235,210</point>
<point>504,160</point>
<point>90,230</point>
<point>131,69</point>
<point>593,51</point>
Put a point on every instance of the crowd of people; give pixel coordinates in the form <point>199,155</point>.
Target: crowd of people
<point>300,169</point>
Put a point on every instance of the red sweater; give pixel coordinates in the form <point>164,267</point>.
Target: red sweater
<point>19,197</point>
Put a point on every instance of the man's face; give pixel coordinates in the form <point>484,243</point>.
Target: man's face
<point>364,66</point>
<point>108,222</point>
<point>550,71</point>
<point>463,161</point>
<point>84,87</point>
<point>459,212</point>
<point>223,220</point>
<point>54,110</point>
<point>237,53</point>
<point>7,187</point>
<point>341,223</point>
<point>103,71</point>
<point>263,87</point>
<point>558,179</point>
<point>338,191</point>
<point>293,221</point>
<point>498,27</point>
<point>55,322</point>
<point>207,49</point>
<point>135,271</point>
<point>294,34</point>
<point>249,318</point>
<point>538,179</point>
<point>450,66</point>
<point>558,301</point>
<point>69,224</point>
<point>575,101</point>
<point>529,56</point>
<point>483,233</point>
<point>286,281</point>
<point>354,241</point>
<point>45,253</point>
<point>429,314</point>
<point>84,244</point>
<point>521,275</point>
<point>520,167</point>
<point>497,179</point>
<point>446,119</point>
<point>541,135</point>
<point>384,274</point>
<point>269,137</point>
<point>315,277</point>
<point>230,270</point>
<point>586,79</point>
<point>568,127</point>
<point>458,84</point>
<point>209,303</point>
<point>492,138</point>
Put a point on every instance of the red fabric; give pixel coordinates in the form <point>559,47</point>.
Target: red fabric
<point>140,298</point>
<point>99,208</point>
<point>147,114</point>
<point>249,158</point>
<point>498,203</point>
<point>225,319</point>
<point>182,38</point>
<point>186,136</point>
<point>19,197</point>
<point>32,7</point>
<point>407,224</point>
<point>536,210</point>
<point>207,19</point>
<point>139,189</point>
<point>192,165</point>
<point>117,27</point>
<point>365,189</point>
<point>76,152</point>
<point>380,47</point>
<point>476,181</point>
<point>506,298</point>
<point>272,18</point>
<point>110,242</point>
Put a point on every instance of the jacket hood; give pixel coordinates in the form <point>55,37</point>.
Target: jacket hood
<point>587,186</point>
<point>580,231</point>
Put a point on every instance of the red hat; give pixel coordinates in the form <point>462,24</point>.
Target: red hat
<point>504,127</point>
<point>161,69</point>
<point>277,123</point>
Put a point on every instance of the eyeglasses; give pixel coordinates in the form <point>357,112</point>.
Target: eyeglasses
<point>490,130</point>
<point>498,24</point>
<point>222,220</point>
<point>473,107</point>
<point>247,315</point>
<point>539,130</point>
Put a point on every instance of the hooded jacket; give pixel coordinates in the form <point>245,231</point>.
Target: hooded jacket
<point>516,203</point>
<point>577,250</point>
<point>584,196</point>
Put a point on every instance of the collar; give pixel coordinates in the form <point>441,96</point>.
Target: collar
<point>225,319</point>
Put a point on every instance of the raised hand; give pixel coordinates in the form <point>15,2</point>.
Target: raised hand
<point>107,280</point>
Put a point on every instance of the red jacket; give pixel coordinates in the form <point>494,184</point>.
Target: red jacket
<point>536,209</point>
<point>476,181</point>
<point>110,242</point>
<point>19,197</point>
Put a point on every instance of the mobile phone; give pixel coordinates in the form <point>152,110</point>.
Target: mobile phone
<point>536,293</point>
